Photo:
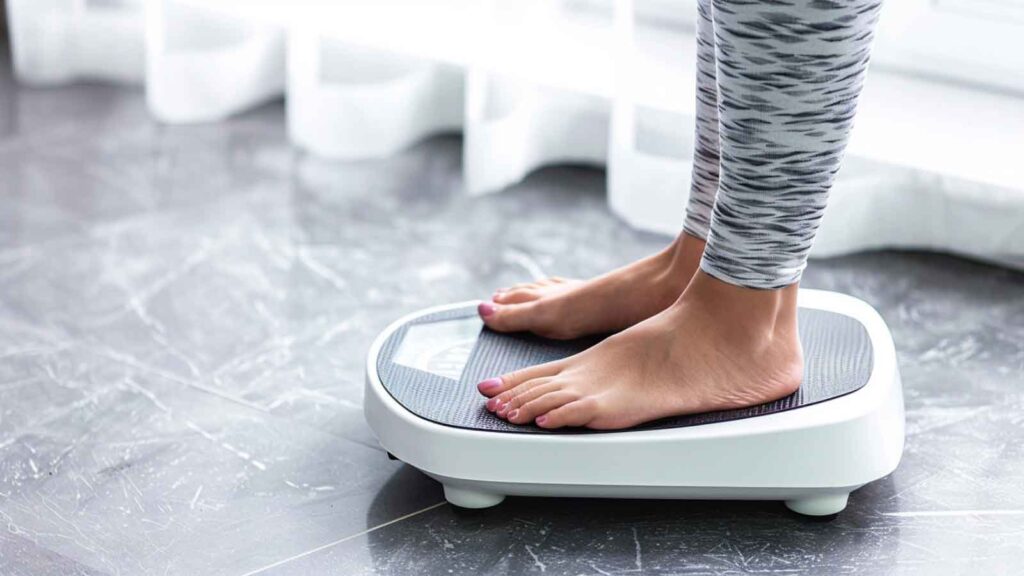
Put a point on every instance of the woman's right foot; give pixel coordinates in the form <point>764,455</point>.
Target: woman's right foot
<point>564,309</point>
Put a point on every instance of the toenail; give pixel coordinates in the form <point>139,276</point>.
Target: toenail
<point>512,415</point>
<point>486,309</point>
<point>541,420</point>
<point>489,384</point>
<point>492,404</point>
<point>502,409</point>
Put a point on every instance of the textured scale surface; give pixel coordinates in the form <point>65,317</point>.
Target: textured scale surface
<point>837,360</point>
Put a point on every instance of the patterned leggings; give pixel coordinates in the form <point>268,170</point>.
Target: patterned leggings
<point>777,89</point>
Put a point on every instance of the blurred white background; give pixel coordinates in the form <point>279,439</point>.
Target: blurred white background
<point>935,162</point>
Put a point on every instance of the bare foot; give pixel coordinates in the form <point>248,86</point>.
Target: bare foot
<point>562,309</point>
<point>718,347</point>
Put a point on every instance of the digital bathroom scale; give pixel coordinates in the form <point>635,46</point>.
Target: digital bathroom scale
<point>842,429</point>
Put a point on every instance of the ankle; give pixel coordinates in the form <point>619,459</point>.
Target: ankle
<point>680,261</point>
<point>758,317</point>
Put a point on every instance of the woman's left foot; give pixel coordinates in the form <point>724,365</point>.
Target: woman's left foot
<point>718,347</point>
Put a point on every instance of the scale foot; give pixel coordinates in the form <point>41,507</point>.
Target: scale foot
<point>464,498</point>
<point>819,505</point>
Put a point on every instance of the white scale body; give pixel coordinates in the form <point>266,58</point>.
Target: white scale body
<point>811,457</point>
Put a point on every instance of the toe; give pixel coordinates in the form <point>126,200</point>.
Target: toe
<point>491,387</point>
<point>526,393</point>
<point>513,379</point>
<point>509,317</point>
<point>578,413</point>
<point>542,316</point>
<point>495,386</point>
<point>516,296</point>
<point>510,399</point>
<point>540,403</point>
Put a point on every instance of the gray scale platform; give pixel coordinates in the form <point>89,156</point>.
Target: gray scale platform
<point>837,353</point>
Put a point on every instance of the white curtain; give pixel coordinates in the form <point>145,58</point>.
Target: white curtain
<point>935,161</point>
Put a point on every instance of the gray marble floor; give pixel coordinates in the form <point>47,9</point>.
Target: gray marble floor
<point>184,313</point>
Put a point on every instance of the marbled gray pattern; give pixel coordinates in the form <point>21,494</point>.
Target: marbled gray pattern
<point>184,313</point>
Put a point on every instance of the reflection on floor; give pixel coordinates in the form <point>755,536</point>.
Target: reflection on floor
<point>184,313</point>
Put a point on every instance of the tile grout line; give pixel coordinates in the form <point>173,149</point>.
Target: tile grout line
<point>345,539</point>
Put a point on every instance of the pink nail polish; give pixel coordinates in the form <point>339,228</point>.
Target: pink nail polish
<point>489,384</point>
<point>512,415</point>
<point>486,309</point>
<point>541,420</point>
<point>492,404</point>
